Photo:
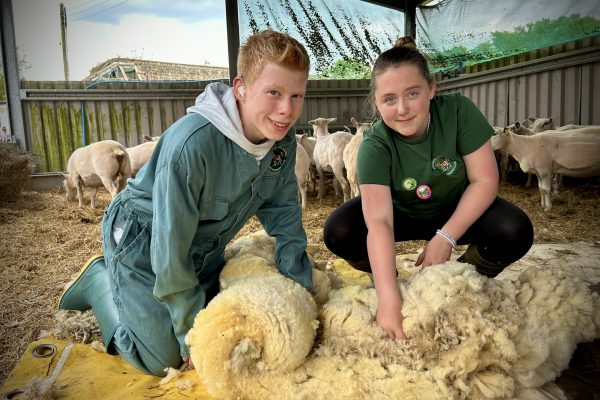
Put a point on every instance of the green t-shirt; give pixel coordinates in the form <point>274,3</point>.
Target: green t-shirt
<point>426,175</point>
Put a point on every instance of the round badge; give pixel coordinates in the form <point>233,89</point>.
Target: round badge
<point>409,183</point>
<point>423,192</point>
<point>279,157</point>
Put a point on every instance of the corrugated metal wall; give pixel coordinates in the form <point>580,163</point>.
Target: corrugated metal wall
<point>563,86</point>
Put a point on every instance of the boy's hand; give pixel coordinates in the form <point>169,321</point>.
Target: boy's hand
<point>187,364</point>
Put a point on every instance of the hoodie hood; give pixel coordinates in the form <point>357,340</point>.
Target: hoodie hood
<point>218,104</point>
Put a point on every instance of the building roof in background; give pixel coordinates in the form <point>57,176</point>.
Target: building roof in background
<point>124,69</point>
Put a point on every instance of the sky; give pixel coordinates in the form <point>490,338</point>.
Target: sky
<point>180,31</point>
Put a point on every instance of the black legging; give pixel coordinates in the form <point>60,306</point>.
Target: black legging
<point>503,234</point>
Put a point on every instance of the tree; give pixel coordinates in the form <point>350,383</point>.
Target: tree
<point>346,68</point>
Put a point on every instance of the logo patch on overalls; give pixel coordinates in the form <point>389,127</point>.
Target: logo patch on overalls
<point>444,164</point>
<point>279,157</point>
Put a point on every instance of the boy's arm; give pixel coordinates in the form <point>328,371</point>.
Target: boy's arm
<point>281,217</point>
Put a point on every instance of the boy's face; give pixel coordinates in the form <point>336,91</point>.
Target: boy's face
<point>271,104</point>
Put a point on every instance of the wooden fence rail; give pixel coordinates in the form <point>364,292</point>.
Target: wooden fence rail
<point>62,116</point>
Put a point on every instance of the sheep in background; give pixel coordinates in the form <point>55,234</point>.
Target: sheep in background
<point>351,152</point>
<point>309,143</point>
<point>149,138</point>
<point>469,336</point>
<point>139,155</point>
<point>573,126</point>
<point>105,163</point>
<point>538,124</point>
<point>573,153</point>
<point>302,171</point>
<point>328,154</point>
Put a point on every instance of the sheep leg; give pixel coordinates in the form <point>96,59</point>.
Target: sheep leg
<point>93,191</point>
<point>528,183</point>
<point>339,174</point>
<point>545,185</point>
<point>503,166</point>
<point>556,182</point>
<point>321,173</point>
<point>336,186</point>
<point>111,185</point>
<point>302,193</point>
<point>79,187</point>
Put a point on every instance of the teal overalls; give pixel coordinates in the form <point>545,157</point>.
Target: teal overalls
<point>196,192</point>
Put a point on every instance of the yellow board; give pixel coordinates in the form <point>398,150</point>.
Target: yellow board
<point>89,374</point>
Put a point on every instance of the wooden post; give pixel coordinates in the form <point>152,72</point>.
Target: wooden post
<point>63,39</point>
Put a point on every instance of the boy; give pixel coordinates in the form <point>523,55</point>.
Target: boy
<point>231,157</point>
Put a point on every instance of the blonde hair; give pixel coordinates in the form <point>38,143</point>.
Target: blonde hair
<point>270,46</point>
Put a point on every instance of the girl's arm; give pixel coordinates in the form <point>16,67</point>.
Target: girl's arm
<point>378,214</point>
<point>482,172</point>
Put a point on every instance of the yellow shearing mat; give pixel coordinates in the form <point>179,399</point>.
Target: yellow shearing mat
<point>89,374</point>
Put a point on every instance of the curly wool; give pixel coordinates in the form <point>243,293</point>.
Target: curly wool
<point>468,336</point>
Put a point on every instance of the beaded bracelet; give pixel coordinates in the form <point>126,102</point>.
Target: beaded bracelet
<point>447,236</point>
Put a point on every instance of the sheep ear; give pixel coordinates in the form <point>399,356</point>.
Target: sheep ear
<point>353,121</point>
<point>332,119</point>
<point>147,138</point>
<point>312,122</point>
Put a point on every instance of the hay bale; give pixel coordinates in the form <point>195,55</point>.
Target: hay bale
<point>16,167</point>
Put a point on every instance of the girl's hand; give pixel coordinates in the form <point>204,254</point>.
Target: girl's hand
<point>389,317</point>
<point>437,251</point>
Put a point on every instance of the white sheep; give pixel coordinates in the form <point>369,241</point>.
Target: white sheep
<point>309,143</point>
<point>468,336</point>
<point>302,171</point>
<point>104,163</point>
<point>328,154</point>
<point>538,124</point>
<point>139,155</point>
<point>351,152</point>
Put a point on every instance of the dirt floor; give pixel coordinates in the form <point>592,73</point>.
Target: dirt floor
<point>45,240</point>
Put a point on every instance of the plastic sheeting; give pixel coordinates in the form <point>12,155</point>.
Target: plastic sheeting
<point>465,32</point>
<point>330,29</point>
<point>452,32</point>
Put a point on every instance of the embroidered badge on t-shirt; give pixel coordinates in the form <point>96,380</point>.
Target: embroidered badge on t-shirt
<point>279,157</point>
<point>409,183</point>
<point>444,164</point>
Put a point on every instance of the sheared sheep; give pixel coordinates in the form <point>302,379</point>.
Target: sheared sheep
<point>104,163</point>
<point>139,155</point>
<point>468,336</point>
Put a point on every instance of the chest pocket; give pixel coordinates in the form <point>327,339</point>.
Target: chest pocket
<point>268,185</point>
<point>213,209</point>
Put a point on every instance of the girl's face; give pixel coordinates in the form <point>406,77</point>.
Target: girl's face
<point>402,98</point>
<point>271,104</point>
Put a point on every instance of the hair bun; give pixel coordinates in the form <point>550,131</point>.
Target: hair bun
<point>406,41</point>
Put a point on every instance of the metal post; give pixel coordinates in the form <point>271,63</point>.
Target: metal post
<point>410,18</point>
<point>11,73</point>
<point>63,39</point>
<point>233,36</point>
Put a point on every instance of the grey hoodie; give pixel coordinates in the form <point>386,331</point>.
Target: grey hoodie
<point>218,104</point>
